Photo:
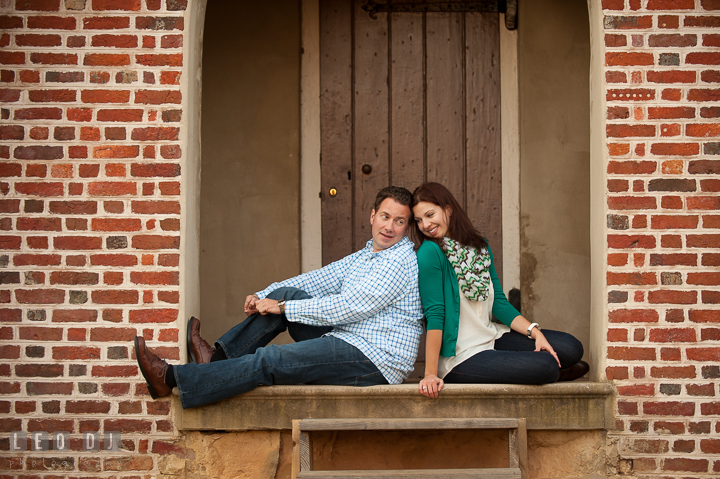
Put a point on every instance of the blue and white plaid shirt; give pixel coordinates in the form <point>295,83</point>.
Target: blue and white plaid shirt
<point>371,300</point>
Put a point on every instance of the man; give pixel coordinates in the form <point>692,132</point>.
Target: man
<point>355,322</point>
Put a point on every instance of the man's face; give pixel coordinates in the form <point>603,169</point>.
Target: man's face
<point>389,224</point>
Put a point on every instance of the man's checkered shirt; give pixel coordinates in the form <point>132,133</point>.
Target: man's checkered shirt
<point>371,300</point>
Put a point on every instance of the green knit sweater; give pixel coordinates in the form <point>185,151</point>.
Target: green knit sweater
<point>440,295</point>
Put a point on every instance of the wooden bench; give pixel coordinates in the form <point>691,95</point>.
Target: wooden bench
<point>302,467</point>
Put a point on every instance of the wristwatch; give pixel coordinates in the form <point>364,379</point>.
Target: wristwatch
<point>281,305</point>
<point>530,328</point>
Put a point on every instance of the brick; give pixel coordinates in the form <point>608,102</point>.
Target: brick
<point>672,297</point>
<point>671,76</point>
<point>75,353</point>
<point>631,241</point>
<point>633,316</point>
<point>631,167</point>
<point>73,207</point>
<point>700,389</point>
<point>684,259</point>
<point>170,60</point>
<point>40,296</point>
<point>672,372</point>
<point>116,41</point>
<point>631,354</point>
<point>112,334</point>
<point>73,278</point>
<point>151,242</point>
<point>106,23</point>
<point>54,58</point>
<point>38,114</point>
<point>659,222</point>
<point>159,23</point>
<point>703,354</point>
<point>114,371</point>
<point>39,370</point>
<point>631,202</point>
<point>704,167</point>
<point>74,316</point>
<point>37,5</point>
<point>105,96</point>
<point>39,224</point>
<point>672,40</point>
<point>670,408</point>
<point>106,59</point>
<point>169,260</point>
<point>710,76</point>
<point>154,278</point>
<point>38,152</point>
<point>112,188</point>
<point>703,94</point>
<point>77,242</point>
<point>65,77</point>
<point>675,149</point>
<point>682,464</point>
<point>628,22</point>
<point>116,151</point>
<point>631,278</point>
<point>703,241</point>
<point>115,297</point>
<point>702,130</point>
<point>116,224</point>
<point>44,389</point>
<point>156,207</point>
<point>124,115</point>
<point>87,407</point>
<point>153,316</point>
<point>705,203</point>
<point>157,97</point>
<point>658,113</point>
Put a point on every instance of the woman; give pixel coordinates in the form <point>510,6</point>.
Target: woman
<point>460,292</point>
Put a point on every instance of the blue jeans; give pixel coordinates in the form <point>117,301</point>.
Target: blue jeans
<point>313,359</point>
<point>514,360</point>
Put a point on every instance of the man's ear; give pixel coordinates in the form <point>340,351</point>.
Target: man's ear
<point>372,216</point>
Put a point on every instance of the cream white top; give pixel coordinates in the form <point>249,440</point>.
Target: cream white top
<point>476,331</point>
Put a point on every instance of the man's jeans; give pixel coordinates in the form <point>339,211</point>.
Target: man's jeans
<point>515,361</point>
<point>313,359</point>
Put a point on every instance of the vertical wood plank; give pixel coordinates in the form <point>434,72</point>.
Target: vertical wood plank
<point>484,160</point>
<point>370,116</point>
<point>522,447</point>
<point>336,128</point>
<point>295,470</point>
<point>407,97</point>
<point>445,122</point>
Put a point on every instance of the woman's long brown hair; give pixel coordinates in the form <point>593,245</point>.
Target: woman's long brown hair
<point>460,228</point>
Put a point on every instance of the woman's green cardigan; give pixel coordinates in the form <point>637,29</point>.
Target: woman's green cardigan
<point>440,295</point>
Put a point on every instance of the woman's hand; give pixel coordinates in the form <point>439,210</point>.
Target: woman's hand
<point>430,386</point>
<point>541,344</point>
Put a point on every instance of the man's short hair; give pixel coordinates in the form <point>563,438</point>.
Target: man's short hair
<point>400,195</point>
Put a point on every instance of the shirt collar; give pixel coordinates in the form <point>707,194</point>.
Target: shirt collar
<point>403,242</point>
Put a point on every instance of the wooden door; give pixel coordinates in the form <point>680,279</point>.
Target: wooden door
<point>407,97</point>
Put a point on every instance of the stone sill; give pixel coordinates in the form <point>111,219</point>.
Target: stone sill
<point>560,406</point>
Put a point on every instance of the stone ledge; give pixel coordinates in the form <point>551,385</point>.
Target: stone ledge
<point>561,406</point>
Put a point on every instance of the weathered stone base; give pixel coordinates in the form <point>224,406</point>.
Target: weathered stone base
<point>267,454</point>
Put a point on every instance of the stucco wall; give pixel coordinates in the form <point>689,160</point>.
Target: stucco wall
<point>249,206</point>
<point>553,63</point>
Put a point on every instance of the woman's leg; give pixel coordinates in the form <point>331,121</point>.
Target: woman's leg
<point>568,348</point>
<point>515,361</point>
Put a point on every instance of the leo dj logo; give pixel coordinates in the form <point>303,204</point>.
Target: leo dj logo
<point>60,441</point>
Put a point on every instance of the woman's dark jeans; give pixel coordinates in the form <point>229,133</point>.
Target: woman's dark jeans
<point>515,361</point>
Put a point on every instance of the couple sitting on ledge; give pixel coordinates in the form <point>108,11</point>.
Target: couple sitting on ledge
<point>358,321</point>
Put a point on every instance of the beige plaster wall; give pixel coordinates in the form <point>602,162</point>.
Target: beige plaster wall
<point>553,68</point>
<point>250,173</point>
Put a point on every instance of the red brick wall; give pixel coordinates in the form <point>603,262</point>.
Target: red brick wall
<point>90,157</point>
<point>663,138</point>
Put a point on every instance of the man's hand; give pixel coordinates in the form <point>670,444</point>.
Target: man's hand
<point>251,304</point>
<point>267,306</point>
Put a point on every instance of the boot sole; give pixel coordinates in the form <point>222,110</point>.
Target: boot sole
<point>187,343</point>
<point>151,390</point>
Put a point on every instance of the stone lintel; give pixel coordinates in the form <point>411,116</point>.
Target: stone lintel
<point>560,406</point>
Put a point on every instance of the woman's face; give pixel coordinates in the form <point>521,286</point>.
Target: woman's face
<point>431,219</point>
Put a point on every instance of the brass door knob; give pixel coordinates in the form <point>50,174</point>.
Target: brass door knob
<point>333,192</point>
<point>367,169</point>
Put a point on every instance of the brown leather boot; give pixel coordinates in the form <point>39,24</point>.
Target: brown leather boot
<point>198,349</point>
<point>153,369</point>
<point>574,372</point>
